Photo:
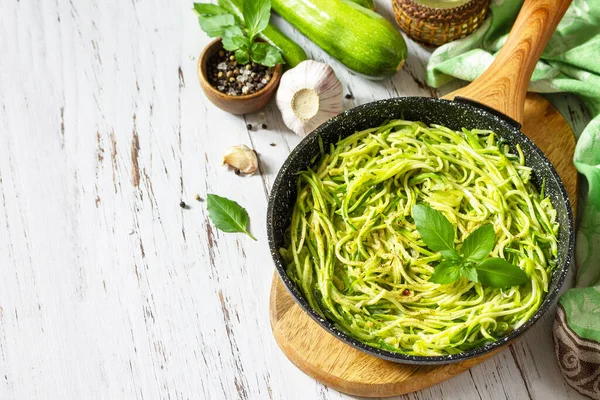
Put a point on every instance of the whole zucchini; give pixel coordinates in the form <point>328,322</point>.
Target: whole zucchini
<point>359,38</point>
<point>365,3</point>
<point>292,53</point>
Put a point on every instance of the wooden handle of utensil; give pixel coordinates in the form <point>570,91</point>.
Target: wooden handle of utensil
<point>503,86</point>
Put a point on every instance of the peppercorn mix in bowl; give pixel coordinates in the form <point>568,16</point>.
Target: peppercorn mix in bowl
<point>230,85</point>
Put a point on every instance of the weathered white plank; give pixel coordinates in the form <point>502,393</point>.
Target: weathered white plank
<point>109,288</point>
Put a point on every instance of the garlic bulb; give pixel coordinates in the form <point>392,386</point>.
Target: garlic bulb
<point>309,95</point>
<point>241,157</point>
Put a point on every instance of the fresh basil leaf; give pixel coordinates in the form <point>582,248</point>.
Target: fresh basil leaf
<point>499,273</point>
<point>256,16</point>
<point>478,245</point>
<point>469,272</point>
<point>233,38</point>
<point>227,215</point>
<point>242,56</point>
<point>446,272</point>
<point>215,24</point>
<point>265,54</point>
<point>450,255</point>
<point>208,9</point>
<point>435,230</point>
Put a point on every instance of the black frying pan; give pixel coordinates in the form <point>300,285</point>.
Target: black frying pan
<point>494,101</point>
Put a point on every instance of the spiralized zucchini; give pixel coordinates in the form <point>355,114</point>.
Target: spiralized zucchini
<point>353,250</point>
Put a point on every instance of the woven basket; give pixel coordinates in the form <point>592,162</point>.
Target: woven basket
<point>436,26</point>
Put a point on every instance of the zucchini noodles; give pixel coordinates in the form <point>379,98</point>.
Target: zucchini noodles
<point>353,250</point>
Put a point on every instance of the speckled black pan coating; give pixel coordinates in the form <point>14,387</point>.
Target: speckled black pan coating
<point>454,115</point>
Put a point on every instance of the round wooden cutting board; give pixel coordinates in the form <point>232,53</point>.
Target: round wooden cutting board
<point>343,368</point>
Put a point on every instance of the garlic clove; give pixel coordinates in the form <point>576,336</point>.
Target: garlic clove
<point>241,157</point>
<point>309,95</point>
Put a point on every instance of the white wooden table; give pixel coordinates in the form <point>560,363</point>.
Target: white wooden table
<point>110,290</point>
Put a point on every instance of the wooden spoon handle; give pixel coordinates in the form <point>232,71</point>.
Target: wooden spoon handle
<point>503,86</point>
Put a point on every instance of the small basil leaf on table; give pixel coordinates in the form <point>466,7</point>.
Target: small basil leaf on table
<point>256,16</point>
<point>469,272</point>
<point>446,272</point>
<point>499,273</point>
<point>435,229</point>
<point>227,215</point>
<point>478,245</point>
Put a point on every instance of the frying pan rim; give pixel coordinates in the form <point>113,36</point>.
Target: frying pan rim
<point>330,327</point>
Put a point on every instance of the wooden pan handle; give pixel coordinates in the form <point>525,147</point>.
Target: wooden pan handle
<point>503,86</point>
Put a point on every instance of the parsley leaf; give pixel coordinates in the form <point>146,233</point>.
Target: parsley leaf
<point>435,230</point>
<point>239,35</point>
<point>499,273</point>
<point>266,54</point>
<point>227,215</point>
<point>233,38</point>
<point>213,19</point>
<point>256,16</point>
<point>242,56</point>
<point>214,25</point>
<point>208,9</point>
<point>478,245</point>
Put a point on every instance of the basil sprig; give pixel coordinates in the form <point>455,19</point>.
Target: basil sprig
<point>240,37</point>
<point>473,264</point>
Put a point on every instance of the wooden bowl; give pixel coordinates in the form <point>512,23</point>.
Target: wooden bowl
<point>234,104</point>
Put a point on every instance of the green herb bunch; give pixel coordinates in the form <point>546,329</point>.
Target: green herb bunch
<point>474,264</point>
<point>241,37</point>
